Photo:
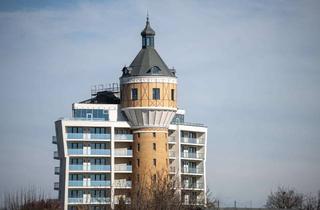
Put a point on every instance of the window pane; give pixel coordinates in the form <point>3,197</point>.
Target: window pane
<point>156,93</point>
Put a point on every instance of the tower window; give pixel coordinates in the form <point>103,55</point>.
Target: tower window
<point>154,178</point>
<point>154,146</point>
<point>172,95</point>
<point>134,94</point>
<point>138,147</point>
<point>155,162</point>
<point>138,162</point>
<point>154,134</point>
<point>155,93</point>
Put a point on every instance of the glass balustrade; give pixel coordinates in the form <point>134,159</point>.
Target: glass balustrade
<point>123,137</point>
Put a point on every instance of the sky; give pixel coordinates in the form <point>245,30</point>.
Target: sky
<point>249,70</point>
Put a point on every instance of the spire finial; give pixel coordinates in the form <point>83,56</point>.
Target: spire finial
<point>147,16</point>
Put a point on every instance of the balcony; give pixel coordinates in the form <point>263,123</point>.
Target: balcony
<point>75,200</point>
<point>100,151</point>
<point>100,183</point>
<point>192,155</point>
<point>126,200</point>
<point>123,168</point>
<point>123,137</point>
<point>57,170</point>
<point>56,186</point>
<point>172,139</point>
<point>192,170</point>
<point>172,154</point>
<point>89,152</point>
<point>198,185</point>
<point>187,140</point>
<point>74,135</point>
<point>92,183</point>
<point>122,183</point>
<point>56,155</point>
<point>123,153</point>
<point>100,136</point>
<point>89,168</point>
<point>76,183</point>
<point>172,169</point>
<point>99,168</point>
<point>92,200</point>
<point>99,200</point>
<point>54,140</point>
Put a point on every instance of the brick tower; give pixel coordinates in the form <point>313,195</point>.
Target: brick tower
<point>148,99</point>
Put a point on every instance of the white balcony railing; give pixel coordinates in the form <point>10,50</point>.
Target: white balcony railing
<point>172,154</point>
<point>192,155</point>
<point>122,183</point>
<point>192,170</point>
<point>196,185</point>
<point>123,153</point>
<point>192,140</point>
<point>119,137</point>
<point>127,168</point>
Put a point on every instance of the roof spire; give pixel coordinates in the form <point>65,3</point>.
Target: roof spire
<point>147,16</point>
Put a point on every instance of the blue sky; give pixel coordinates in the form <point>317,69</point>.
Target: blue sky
<point>247,69</point>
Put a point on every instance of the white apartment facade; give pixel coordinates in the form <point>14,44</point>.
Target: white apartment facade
<point>95,154</point>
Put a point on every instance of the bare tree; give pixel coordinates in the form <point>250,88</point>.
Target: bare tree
<point>285,198</point>
<point>29,199</point>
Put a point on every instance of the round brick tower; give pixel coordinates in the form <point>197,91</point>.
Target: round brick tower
<point>148,99</point>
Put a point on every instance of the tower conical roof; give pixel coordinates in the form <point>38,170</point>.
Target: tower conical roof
<point>148,31</point>
<point>148,62</point>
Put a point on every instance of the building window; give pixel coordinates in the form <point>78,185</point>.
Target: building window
<point>138,135</point>
<point>154,134</point>
<point>155,93</point>
<point>154,146</point>
<point>138,162</point>
<point>138,147</point>
<point>134,94</point>
<point>154,178</point>
<point>172,95</point>
<point>155,162</point>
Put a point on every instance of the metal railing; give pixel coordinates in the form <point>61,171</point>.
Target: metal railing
<point>188,124</point>
<point>123,137</point>
<point>192,155</point>
<point>192,140</point>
